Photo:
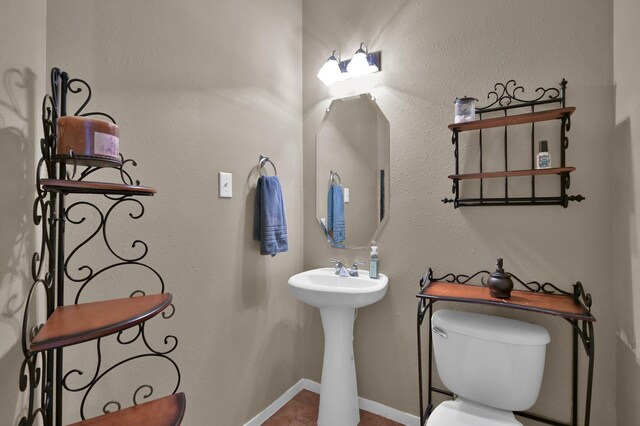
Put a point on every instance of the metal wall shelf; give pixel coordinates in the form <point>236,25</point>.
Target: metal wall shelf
<point>504,100</point>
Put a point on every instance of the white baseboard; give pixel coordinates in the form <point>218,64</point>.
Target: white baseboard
<point>365,404</point>
<point>265,414</point>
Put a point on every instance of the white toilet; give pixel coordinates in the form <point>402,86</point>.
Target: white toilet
<point>493,365</point>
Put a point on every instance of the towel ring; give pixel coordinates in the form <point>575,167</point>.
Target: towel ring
<point>262,162</point>
<point>332,176</point>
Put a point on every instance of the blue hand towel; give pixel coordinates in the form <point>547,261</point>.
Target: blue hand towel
<point>269,222</point>
<point>335,213</point>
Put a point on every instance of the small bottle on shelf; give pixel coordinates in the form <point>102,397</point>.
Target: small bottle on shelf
<point>543,159</point>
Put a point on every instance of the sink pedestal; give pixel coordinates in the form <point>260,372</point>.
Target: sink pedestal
<point>338,389</point>
<point>338,298</point>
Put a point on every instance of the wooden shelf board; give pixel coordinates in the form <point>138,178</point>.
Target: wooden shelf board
<point>167,411</point>
<point>510,120</point>
<point>72,324</point>
<point>514,173</point>
<point>82,187</point>
<point>551,304</point>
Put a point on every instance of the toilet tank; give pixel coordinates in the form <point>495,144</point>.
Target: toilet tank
<point>491,360</point>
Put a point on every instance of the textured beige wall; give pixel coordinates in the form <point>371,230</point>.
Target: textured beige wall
<point>626,222</point>
<point>434,51</point>
<point>22,71</point>
<point>200,87</point>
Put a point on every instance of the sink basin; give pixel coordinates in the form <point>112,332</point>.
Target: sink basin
<point>337,298</point>
<point>323,288</point>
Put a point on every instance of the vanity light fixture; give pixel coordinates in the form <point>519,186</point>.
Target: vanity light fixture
<point>362,63</point>
<point>332,70</point>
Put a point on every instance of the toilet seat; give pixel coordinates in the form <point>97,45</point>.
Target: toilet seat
<point>463,412</point>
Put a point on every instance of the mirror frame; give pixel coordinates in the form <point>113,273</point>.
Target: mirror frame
<point>386,187</point>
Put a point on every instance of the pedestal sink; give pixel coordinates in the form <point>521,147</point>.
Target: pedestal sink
<point>337,298</point>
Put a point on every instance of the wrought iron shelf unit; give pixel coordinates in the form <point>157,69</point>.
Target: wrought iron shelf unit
<point>167,411</point>
<point>505,100</point>
<point>547,299</point>
<point>57,265</point>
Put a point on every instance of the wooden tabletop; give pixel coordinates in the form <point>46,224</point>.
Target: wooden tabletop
<point>510,120</point>
<point>551,304</point>
<point>167,411</point>
<point>85,187</point>
<point>73,324</point>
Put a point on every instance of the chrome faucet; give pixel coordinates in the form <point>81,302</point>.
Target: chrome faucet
<point>343,271</point>
<point>354,268</point>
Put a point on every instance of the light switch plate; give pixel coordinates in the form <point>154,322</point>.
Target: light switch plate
<point>346,195</point>
<point>225,185</point>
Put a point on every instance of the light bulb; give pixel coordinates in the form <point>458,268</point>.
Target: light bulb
<point>359,65</point>
<point>330,71</point>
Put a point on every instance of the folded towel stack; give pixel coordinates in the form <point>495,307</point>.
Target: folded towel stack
<point>335,215</point>
<point>269,222</point>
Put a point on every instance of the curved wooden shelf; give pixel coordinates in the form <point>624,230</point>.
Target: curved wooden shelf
<point>82,187</point>
<point>551,304</point>
<point>87,160</point>
<point>72,324</point>
<point>513,173</point>
<point>167,411</point>
<point>510,120</point>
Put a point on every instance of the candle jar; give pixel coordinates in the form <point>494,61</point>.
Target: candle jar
<point>465,109</point>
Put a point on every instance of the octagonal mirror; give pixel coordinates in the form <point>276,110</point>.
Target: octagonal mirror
<point>352,172</point>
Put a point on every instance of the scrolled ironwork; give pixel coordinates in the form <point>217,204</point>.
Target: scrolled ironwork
<point>125,176</point>
<point>453,278</point>
<point>89,274</point>
<point>144,386</point>
<point>167,315</point>
<point>504,94</point>
<point>78,89</point>
<point>532,286</point>
<point>167,339</point>
<point>33,372</point>
<point>134,216</point>
<point>30,378</point>
<point>106,410</point>
<point>580,294</point>
<point>98,273</point>
<point>149,389</point>
<point>78,372</point>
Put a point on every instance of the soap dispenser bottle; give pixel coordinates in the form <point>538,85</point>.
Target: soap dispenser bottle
<point>373,262</point>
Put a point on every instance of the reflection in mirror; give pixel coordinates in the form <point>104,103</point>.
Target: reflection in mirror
<point>352,172</point>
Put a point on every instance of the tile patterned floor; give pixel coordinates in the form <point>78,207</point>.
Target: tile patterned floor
<point>302,410</point>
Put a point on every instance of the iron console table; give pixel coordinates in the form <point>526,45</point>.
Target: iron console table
<point>42,374</point>
<point>506,108</point>
<point>546,298</point>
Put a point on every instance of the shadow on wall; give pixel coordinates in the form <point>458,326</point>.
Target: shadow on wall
<point>625,249</point>
<point>17,142</point>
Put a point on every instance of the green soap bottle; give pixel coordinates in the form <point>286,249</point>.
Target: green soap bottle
<point>373,262</point>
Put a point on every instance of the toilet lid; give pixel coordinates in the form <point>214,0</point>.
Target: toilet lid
<point>466,413</point>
